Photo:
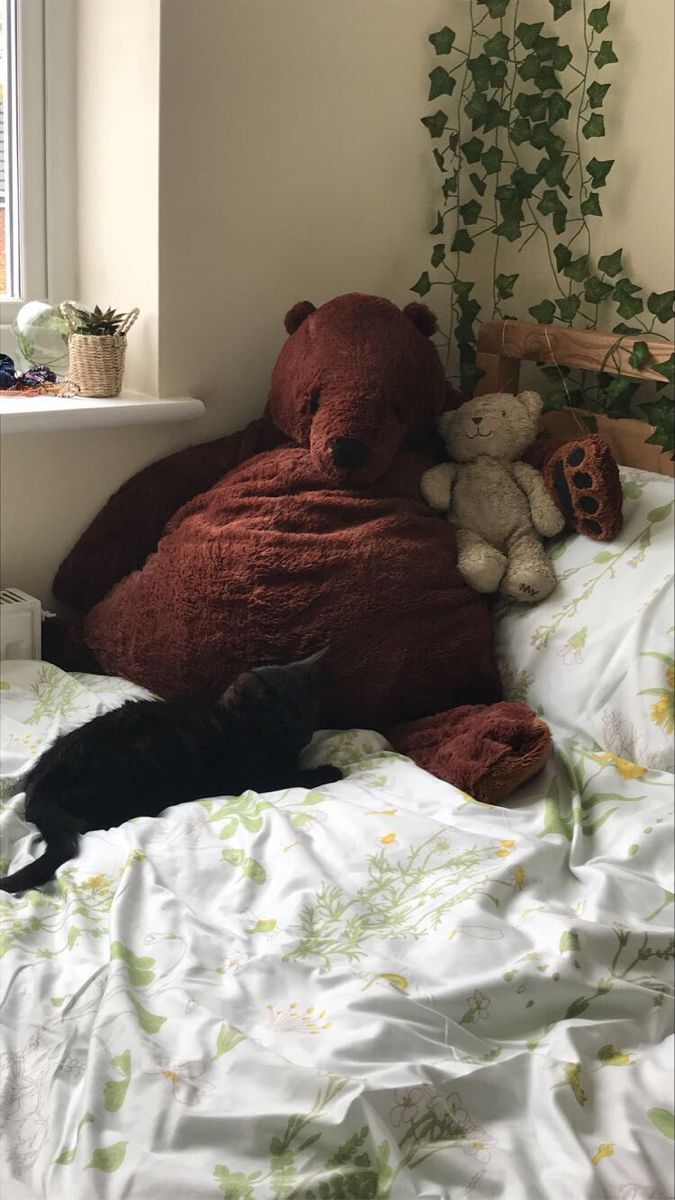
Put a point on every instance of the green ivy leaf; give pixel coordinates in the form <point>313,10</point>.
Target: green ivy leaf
<point>543,312</point>
<point>498,73</point>
<point>497,46</point>
<point>599,170</point>
<point>605,55</point>
<point>568,307</point>
<point>528,34</point>
<point>596,93</point>
<point>598,19</point>
<point>595,126</point>
<point>578,269</point>
<point>423,284</point>
<point>524,183</point>
<point>436,123</point>
<point>492,160</point>
<point>438,254</point>
<point>661,416</point>
<point>623,328</point>
<point>442,83</point>
<point>463,289</point>
<point>663,1120</point>
<point>590,207</point>
<point>595,290</point>
<point>551,205</point>
<point>560,7</point>
<point>610,264</point>
<point>469,213</point>
<point>480,71</point>
<point>486,114</point>
<point>563,255</point>
<point>472,149</point>
<point>443,40</point>
<point>440,159</point>
<point>504,285</point>
<point>558,108</point>
<point>496,8</point>
<point>450,186</point>
<point>562,57</point>
<point>529,104</point>
<point>438,227</point>
<point>521,131</point>
<point>462,242</point>
<point>478,183</point>
<point>627,304</point>
<point>639,355</point>
<point>108,1158</point>
<point>666,368</point>
<point>660,304</point>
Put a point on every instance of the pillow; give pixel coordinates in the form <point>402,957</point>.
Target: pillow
<point>596,657</point>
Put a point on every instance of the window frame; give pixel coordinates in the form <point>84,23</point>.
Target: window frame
<point>46,191</point>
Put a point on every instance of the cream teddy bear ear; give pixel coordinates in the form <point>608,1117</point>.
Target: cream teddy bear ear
<point>532,403</point>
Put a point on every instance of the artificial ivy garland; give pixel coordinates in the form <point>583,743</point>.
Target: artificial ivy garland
<point>516,135</point>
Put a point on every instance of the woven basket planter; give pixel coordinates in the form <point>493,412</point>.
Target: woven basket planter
<point>95,362</point>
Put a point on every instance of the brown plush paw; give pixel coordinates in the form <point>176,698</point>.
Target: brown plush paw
<point>487,750</point>
<point>584,477</point>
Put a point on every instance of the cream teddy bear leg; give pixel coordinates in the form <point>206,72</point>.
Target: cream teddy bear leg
<point>481,564</point>
<point>529,576</point>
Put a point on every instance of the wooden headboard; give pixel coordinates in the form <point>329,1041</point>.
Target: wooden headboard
<point>504,345</point>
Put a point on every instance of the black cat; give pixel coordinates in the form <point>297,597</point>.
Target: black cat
<point>149,754</point>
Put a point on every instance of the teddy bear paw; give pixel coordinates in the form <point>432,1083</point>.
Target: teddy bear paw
<point>527,586</point>
<point>549,522</point>
<point>483,573</point>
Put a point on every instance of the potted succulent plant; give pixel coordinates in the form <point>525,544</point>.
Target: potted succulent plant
<point>97,343</point>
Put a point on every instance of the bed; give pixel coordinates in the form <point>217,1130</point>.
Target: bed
<point>383,988</point>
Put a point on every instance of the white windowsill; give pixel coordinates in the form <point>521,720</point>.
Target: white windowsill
<point>40,414</point>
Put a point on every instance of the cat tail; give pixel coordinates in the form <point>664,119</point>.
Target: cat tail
<point>60,847</point>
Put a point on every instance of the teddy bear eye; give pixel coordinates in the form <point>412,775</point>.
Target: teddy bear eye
<point>314,399</point>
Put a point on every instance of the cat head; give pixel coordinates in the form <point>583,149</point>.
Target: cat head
<point>280,703</point>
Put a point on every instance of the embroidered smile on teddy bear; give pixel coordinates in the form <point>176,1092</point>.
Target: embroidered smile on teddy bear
<point>499,505</point>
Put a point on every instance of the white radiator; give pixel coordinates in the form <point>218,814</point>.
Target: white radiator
<point>20,625</point>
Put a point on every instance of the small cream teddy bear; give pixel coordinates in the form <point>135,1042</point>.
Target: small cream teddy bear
<point>499,505</point>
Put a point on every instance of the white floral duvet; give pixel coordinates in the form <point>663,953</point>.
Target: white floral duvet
<point>382,989</point>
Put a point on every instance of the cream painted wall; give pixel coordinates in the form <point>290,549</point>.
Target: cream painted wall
<point>282,158</point>
<point>293,165</point>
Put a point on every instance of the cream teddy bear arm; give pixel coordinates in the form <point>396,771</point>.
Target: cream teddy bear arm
<point>436,486</point>
<point>547,518</point>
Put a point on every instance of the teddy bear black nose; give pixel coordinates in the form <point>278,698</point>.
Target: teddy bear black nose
<point>347,452</point>
<point>476,420</point>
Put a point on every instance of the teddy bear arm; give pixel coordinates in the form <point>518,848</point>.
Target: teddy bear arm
<point>130,524</point>
<point>437,485</point>
<point>546,516</point>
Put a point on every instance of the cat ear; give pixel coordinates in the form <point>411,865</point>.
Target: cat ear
<point>254,686</point>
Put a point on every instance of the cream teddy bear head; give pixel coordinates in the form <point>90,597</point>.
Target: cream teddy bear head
<point>499,426</point>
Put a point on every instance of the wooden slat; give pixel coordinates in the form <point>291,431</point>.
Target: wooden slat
<point>584,349</point>
<point>500,374</point>
<point>626,438</point>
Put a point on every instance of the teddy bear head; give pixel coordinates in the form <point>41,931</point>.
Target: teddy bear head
<point>496,426</point>
<point>353,379</point>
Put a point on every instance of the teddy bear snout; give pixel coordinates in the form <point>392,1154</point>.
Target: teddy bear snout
<point>348,452</point>
<point>476,420</point>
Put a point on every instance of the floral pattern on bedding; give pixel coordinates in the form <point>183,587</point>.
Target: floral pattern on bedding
<point>597,654</point>
<point>380,989</point>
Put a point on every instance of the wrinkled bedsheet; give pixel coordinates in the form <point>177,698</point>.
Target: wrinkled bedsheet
<point>379,989</point>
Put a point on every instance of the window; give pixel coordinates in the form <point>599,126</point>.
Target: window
<point>37,128</point>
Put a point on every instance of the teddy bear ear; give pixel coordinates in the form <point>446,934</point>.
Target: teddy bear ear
<point>421,317</point>
<point>297,314</point>
<point>532,402</point>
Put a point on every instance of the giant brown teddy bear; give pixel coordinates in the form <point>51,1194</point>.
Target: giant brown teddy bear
<point>308,528</point>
